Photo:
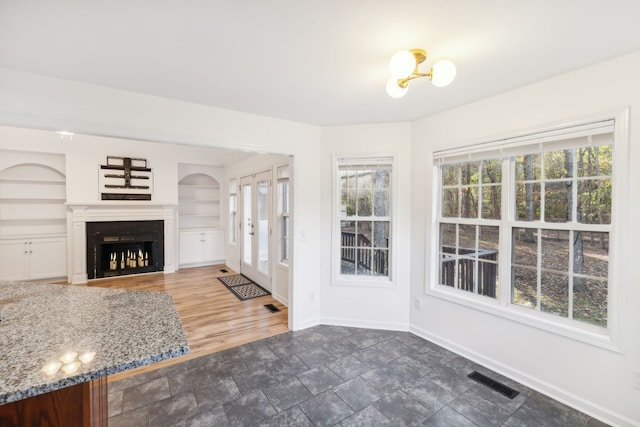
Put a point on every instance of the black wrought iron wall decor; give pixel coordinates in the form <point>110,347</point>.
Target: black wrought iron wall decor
<point>126,178</point>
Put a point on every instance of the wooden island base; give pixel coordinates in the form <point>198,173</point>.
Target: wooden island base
<point>81,405</point>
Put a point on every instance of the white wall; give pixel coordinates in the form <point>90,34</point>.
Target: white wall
<point>362,305</point>
<point>36,101</point>
<point>593,379</point>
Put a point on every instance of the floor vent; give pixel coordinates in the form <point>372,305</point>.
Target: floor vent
<point>223,270</point>
<point>493,384</point>
<point>272,308</point>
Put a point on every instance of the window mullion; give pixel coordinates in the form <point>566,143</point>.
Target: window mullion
<point>539,270</point>
<point>507,214</point>
<point>543,187</point>
<point>476,263</point>
<point>572,235</point>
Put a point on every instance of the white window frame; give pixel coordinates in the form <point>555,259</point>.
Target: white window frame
<point>609,337</point>
<point>233,213</point>
<point>337,278</point>
<point>284,239</point>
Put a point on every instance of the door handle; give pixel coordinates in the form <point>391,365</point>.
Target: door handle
<point>252,233</point>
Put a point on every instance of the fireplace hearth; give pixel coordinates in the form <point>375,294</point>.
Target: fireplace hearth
<point>116,248</point>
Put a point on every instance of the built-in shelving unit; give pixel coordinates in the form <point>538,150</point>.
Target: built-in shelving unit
<point>32,201</point>
<point>198,202</point>
<point>33,222</point>
<point>201,238</point>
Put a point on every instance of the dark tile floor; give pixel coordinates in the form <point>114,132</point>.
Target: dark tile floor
<point>330,375</point>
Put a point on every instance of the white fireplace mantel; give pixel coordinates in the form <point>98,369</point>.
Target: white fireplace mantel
<point>79,215</point>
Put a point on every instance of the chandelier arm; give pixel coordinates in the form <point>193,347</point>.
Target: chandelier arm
<point>404,82</point>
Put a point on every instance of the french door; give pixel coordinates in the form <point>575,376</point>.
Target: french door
<point>254,227</point>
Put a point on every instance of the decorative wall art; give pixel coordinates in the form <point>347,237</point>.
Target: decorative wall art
<point>125,178</point>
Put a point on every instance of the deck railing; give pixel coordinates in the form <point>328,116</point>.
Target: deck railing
<point>357,248</point>
<point>467,259</point>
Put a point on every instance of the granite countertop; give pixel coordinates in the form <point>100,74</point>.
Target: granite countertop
<point>55,336</point>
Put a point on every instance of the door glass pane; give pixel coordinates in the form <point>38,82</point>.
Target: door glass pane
<point>263,227</point>
<point>246,224</point>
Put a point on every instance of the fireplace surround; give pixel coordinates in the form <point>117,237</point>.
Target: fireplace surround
<point>82,214</point>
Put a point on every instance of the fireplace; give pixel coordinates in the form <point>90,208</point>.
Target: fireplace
<point>116,248</point>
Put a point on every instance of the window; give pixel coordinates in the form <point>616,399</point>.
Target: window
<point>233,211</point>
<point>284,220</point>
<point>527,225</point>
<point>362,229</point>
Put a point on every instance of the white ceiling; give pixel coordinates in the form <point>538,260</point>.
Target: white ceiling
<point>322,62</point>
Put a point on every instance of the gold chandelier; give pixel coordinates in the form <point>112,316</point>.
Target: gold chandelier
<point>403,67</point>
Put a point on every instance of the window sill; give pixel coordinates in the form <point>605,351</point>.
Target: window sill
<point>599,337</point>
<point>363,282</point>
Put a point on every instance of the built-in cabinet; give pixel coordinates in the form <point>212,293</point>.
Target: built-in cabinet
<point>33,258</point>
<point>33,218</point>
<point>201,246</point>
<point>201,237</point>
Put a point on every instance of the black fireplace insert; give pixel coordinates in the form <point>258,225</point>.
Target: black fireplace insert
<point>116,248</point>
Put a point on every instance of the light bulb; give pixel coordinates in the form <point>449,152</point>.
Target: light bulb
<point>87,357</point>
<point>68,357</point>
<point>402,64</point>
<point>51,368</point>
<point>442,73</point>
<point>71,367</point>
<point>394,90</point>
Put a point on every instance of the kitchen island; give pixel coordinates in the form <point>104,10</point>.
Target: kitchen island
<point>58,343</point>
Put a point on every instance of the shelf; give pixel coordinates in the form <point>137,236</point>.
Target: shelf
<point>30,236</point>
<point>39,219</point>
<point>205,186</point>
<point>197,229</point>
<point>186,200</point>
<point>32,181</point>
<point>24,200</point>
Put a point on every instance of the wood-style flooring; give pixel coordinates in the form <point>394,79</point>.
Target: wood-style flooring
<point>212,317</point>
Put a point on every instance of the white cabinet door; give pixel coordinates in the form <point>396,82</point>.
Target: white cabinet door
<point>38,258</point>
<point>13,259</point>
<point>213,246</point>
<point>190,247</point>
<point>47,257</point>
<point>201,247</point>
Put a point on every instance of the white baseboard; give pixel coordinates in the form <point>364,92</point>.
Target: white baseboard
<point>563,396</point>
<point>369,324</point>
<point>280,299</point>
<point>307,323</point>
<point>233,267</point>
<point>200,264</point>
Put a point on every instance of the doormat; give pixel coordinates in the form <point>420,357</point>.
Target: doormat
<point>242,287</point>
